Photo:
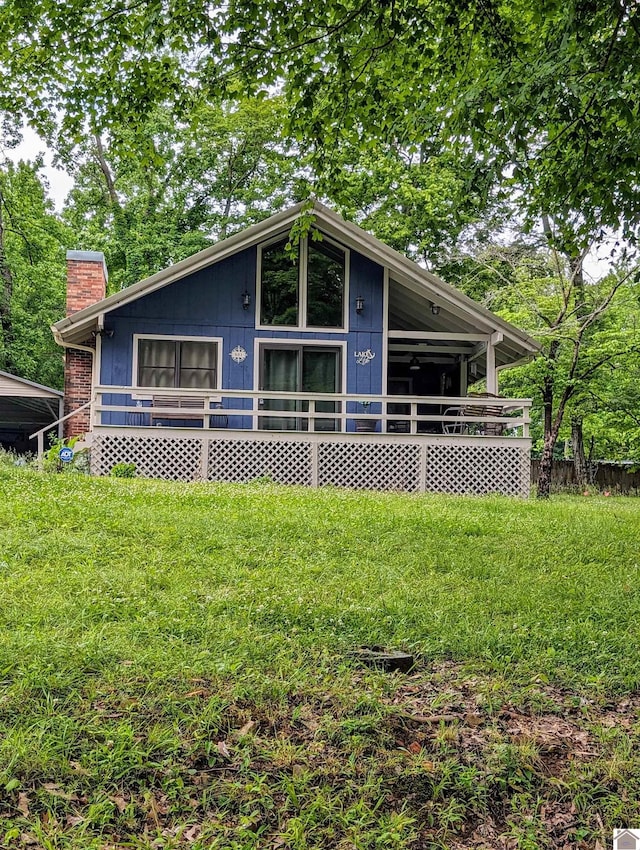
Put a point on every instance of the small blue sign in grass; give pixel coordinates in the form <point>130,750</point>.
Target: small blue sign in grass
<point>66,454</point>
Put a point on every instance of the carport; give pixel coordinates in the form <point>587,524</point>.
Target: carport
<point>25,407</point>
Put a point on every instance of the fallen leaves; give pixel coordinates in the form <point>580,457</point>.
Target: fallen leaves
<point>224,750</point>
<point>23,804</point>
<point>428,728</point>
<point>192,833</point>
<point>248,727</point>
<point>119,801</point>
<point>55,791</point>
<point>198,692</point>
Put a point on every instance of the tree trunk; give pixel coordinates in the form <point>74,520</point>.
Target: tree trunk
<point>579,459</point>
<point>6,295</point>
<point>546,464</point>
<point>546,458</point>
<point>106,171</point>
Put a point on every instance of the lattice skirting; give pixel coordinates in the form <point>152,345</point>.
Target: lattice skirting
<point>246,460</point>
<point>478,469</point>
<point>370,465</point>
<point>451,467</point>
<point>154,457</point>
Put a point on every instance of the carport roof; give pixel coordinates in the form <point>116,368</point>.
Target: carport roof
<point>26,405</point>
<point>12,385</point>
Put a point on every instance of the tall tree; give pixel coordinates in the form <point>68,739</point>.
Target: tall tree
<point>585,329</point>
<point>544,94</point>
<point>32,273</point>
<point>418,199</point>
<point>218,171</point>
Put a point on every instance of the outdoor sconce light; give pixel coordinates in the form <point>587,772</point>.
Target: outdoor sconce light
<point>359,304</point>
<point>435,308</point>
<point>414,364</point>
<point>246,300</point>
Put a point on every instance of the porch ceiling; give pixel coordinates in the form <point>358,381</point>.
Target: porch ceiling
<point>410,311</point>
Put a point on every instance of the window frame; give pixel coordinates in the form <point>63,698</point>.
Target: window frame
<point>215,340</point>
<point>302,287</point>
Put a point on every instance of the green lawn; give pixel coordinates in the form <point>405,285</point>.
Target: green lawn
<point>176,667</point>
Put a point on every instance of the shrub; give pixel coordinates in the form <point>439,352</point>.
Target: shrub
<point>8,457</point>
<point>123,470</point>
<point>51,459</point>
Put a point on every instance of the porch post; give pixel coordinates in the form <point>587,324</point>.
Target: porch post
<point>492,383</point>
<point>463,374</point>
<point>492,375</point>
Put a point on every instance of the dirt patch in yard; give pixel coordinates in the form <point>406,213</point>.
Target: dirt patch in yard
<point>440,758</point>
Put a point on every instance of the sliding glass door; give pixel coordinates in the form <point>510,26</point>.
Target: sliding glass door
<point>303,369</point>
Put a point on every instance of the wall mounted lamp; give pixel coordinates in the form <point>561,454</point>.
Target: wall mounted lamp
<point>246,300</point>
<point>359,304</point>
<point>102,332</point>
<point>435,308</point>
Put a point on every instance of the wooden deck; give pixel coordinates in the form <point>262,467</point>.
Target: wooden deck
<point>409,450</point>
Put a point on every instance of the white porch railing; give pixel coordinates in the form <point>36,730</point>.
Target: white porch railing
<point>260,410</point>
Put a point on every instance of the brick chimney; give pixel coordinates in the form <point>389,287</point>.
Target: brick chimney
<point>86,285</point>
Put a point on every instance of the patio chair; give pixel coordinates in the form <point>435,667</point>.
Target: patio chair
<point>454,427</point>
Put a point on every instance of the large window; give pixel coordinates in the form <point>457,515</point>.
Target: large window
<point>325,285</point>
<point>306,288</point>
<point>303,369</point>
<point>177,363</point>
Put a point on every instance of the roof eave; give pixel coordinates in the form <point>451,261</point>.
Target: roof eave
<point>394,259</point>
<point>77,327</point>
<point>49,390</point>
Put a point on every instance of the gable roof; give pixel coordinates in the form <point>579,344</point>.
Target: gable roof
<point>625,840</point>
<point>78,327</point>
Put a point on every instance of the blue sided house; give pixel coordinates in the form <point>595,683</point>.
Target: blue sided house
<point>336,361</point>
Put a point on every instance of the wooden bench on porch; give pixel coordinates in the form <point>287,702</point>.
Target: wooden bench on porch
<point>188,408</point>
<point>178,407</point>
<point>481,409</point>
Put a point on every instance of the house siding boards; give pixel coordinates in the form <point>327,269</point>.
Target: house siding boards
<point>208,303</point>
<point>12,386</point>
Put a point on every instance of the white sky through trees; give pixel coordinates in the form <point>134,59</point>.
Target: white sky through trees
<point>60,182</point>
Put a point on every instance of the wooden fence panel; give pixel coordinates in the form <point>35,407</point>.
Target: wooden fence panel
<point>614,477</point>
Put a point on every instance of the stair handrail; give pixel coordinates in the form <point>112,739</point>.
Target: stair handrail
<point>40,434</point>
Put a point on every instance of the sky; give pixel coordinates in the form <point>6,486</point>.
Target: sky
<point>60,183</point>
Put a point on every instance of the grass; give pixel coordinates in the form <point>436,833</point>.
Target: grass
<point>176,667</point>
